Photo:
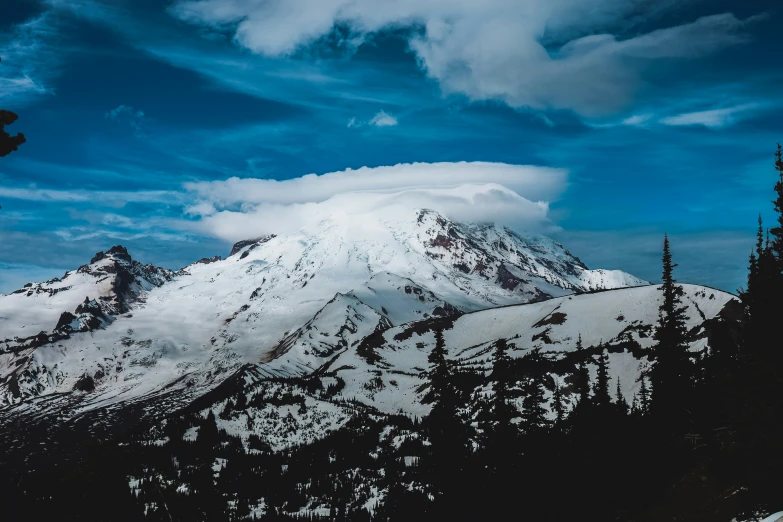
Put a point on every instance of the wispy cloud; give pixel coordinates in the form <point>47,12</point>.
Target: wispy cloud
<point>126,113</point>
<point>714,119</point>
<point>676,116</point>
<point>637,120</point>
<point>111,198</point>
<point>31,54</point>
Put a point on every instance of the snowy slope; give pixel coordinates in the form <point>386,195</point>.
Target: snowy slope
<point>385,371</point>
<point>622,320</point>
<point>287,303</point>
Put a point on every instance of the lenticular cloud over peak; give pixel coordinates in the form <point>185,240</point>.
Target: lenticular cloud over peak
<point>511,195</point>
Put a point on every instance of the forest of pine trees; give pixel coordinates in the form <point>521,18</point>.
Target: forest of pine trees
<point>699,441</point>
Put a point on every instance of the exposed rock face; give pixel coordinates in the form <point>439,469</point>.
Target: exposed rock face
<point>208,260</point>
<point>239,246</point>
<point>506,279</point>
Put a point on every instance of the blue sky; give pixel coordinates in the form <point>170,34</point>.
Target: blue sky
<point>664,114</point>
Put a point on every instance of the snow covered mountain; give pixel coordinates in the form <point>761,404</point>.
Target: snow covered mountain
<point>386,370</point>
<point>82,300</point>
<point>116,330</point>
<point>620,321</point>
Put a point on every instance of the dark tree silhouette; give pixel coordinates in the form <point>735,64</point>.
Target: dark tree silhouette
<point>582,378</point>
<point>670,373</point>
<point>622,406</point>
<point>501,430</point>
<point>777,231</point>
<point>601,391</point>
<point>8,143</point>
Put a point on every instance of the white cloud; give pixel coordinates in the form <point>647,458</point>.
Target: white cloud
<point>113,198</point>
<point>31,54</point>
<point>713,119</point>
<point>475,192</point>
<point>124,111</point>
<point>382,119</point>
<point>128,115</point>
<point>536,183</point>
<point>637,120</point>
<point>553,54</point>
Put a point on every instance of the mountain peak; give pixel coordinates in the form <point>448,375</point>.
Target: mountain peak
<point>117,251</point>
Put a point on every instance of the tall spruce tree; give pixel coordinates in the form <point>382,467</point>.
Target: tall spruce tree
<point>671,372</point>
<point>645,397</point>
<point>558,402</point>
<point>753,272</point>
<point>622,406</point>
<point>582,376</point>
<point>533,401</point>
<point>501,431</point>
<point>601,396</point>
<point>447,432</point>
<point>777,231</point>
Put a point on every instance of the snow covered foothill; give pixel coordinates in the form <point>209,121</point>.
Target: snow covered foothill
<point>387,370</point>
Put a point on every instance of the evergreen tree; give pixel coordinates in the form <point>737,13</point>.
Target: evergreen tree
<point>447,433</point>
<point>645,397</point>
<point>671,371</point>
<point>558,402</point>
<point>777,231</point>
<point>533,401</point>
<point>622,406</point>
<point>241,403</point>
<point>501,431</point>
<point>601,396</point>
<point>440,373</point>
<point>582,377</point>
<point>208,436</point>
<point>753,271</point>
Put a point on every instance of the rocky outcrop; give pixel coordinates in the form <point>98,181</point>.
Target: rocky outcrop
<point>239,246</point>
<point>208,260</point>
